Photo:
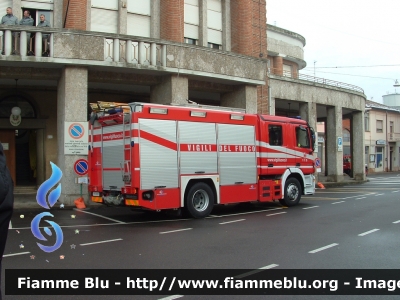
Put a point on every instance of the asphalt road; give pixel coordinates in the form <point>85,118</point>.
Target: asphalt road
<point>349,227</point>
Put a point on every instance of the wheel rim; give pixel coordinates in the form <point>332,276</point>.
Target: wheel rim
<point>292,192</point>
<point>200,200</point>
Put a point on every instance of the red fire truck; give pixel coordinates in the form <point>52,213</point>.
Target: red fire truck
<point>193,157</point>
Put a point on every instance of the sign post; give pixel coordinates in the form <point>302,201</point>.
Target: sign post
<point>318,164</point>
<point>81,167</point>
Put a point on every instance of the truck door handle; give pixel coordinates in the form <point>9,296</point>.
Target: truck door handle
<point>239,182</point>
<point>270,165</point>
<point>297,164</point>
<point>199,172</point>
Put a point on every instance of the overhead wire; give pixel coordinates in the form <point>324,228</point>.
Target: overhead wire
<point>371,66</point>
<point>354,75</point>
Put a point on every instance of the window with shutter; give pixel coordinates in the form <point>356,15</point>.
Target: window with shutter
<point>104,16</point>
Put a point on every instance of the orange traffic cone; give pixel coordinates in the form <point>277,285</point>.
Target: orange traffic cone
<point>79,203</point>
<point>320,185</point>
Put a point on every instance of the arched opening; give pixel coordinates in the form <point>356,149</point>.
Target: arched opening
<point>20,141</point>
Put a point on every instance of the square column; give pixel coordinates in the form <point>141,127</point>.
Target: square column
<point>203,36</point>
<point>271,102</point>
<point>122,18</point>
<point>334,158</point>
<point>357,145</point>
<point>226,25</point>
<point>244,96</point>
<point>72,105</point>
<point>155,19</point>
<point>308,112</point>
<point>172,89</point>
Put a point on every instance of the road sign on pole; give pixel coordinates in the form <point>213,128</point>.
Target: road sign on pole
<point>339,144</point>
<point>318,164</point>
<point>81,167</point>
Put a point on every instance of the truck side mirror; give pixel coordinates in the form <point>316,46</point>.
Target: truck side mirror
<point>313,138</point>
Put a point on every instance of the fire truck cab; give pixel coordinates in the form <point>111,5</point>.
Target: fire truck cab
<point>160,157</point>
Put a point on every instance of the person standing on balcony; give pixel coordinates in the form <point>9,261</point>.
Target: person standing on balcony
<point>45,37</point>
<point>27,21</point>
<point>8,19</point>
<point>6,203</point>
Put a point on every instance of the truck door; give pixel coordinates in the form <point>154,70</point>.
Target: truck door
<point>303,149</point>
<point>276,154</point>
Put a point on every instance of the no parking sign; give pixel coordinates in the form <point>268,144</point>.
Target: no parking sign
<point>81,167</point>
<point>318,164</point>
<point>76,138</point>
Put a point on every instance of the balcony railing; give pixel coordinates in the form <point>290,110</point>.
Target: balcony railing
<point>135,52</point>
<point>297,75</point>
<point>14,41</point>
<point>77,47</point>
<point>393,137</point>
<point>25,42</point>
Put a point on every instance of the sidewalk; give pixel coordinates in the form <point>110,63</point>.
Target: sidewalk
<point>347,180</point>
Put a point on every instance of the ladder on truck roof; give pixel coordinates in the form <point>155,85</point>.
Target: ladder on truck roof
<point>211,107</point>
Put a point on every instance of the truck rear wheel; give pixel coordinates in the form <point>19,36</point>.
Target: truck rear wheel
<point>292,192</point>
<point>200,200</point>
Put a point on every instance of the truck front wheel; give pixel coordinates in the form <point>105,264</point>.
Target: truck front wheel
<point>200,200</point>
<point>292,192</point>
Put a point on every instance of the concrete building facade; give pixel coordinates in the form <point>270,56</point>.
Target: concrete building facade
<point>292,93</point>
<point>209,51</point>
<point>382,137</point>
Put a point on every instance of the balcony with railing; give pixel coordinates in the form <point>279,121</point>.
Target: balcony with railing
<point>393,137</point>
<point>19,45</point>
<point>311,79</point>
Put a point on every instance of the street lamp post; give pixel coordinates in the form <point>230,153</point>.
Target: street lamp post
<point>314,67</point>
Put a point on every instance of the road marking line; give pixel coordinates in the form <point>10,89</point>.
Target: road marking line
<point>279,213</point>
<point>107,218</point>
<point>379,183</point>
<point>395,191</point>
<point>310,207</point>
<point>10,225</point>
<point>15,254</point>
<point>361,198</point>
<point>283,212</point>
<point>379,195</point>
<point>358,196</point>
<point>338,202</point>
<point>257,271</point>
<point>232,221</point>
<point>108,241</point>
<point>396,222</point>
<point>175,230</point>
<point>323,248</point>
<point>245,213</point>
<point>368,232</point>
<point>148,222</point>
<point>171,297</point>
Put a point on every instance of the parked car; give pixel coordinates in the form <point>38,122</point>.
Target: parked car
<point>347,164</point>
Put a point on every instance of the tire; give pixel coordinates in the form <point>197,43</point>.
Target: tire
<point>292,193</point>
<point>199,200</point>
